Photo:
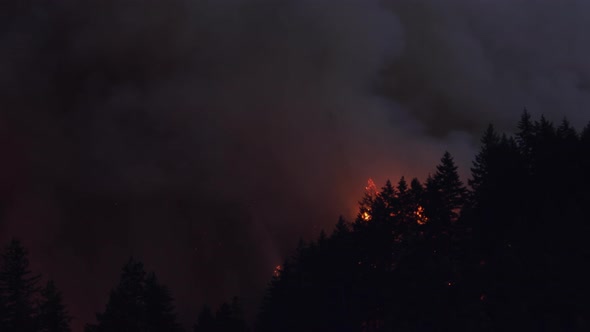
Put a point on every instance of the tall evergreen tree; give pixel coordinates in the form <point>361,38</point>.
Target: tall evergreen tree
<point>52,313</point>
<point>125,308</point>
<point>481,164</point>
<point>446,191</point>
<point>341,228</point>
<point>18,286</point>
<point>566,132</point>
<point>384,204</point>
<point>416,194</point>
<point>160,313</point>
<point>138,304</point>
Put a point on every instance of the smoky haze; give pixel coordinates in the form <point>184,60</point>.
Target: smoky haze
<point>207,137</point>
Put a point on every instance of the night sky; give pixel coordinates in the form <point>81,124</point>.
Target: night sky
<point>206,137</point>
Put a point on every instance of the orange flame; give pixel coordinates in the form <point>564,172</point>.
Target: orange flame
<point>421,218</point>
<point>366,216</point>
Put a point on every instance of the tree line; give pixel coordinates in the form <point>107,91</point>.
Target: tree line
<point>506,251</point>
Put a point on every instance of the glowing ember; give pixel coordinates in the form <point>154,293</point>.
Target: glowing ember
<point>421,218</point>
<point>277,271</point>
<point>366,216</point>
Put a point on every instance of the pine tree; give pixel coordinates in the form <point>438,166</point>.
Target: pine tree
<point>138,303</point>
<point>402,187</point>
<point>159,307</point>
<point>52,313</point>
<point>525,134</point>
<point>206,321</point>
<point>446,191</point>
<point>566,132</point>
<point>384,204</point>
<point>341,228</point>
<point>481,164</point>
<point>125,310</point>
<point>18,286</point>
<point>416,194</point>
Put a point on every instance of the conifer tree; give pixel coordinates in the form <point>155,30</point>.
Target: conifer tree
<point>52,313</point>
<point>160,313</point>
<point>566,132</point>
<point>416,194</point>
<point>18,286</point>
<point>384,203</point>
<point>447,193</point>
<point>138,304</point>
<point>525,134</point>
<point>402,188</point>
<point>125,308</point>
<point>341,228</point>
<point>481,164</point>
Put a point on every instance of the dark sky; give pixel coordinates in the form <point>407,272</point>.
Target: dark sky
<point>205,137</point>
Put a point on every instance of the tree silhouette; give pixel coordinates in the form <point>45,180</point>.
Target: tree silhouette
<point>508,254</point>
<point>206,321</point>
<point>138,303</point>
<point>18,286</point>
<point>450,189</point>
<point>228,318</point>
<point>428,258</point>
<point>481,165</point>
<point>52,314</point>
<point>159,307</point>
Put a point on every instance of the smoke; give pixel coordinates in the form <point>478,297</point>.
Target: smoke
<point>470,62</point>
<point>207,137</point>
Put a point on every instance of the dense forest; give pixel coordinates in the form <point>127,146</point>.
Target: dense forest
<point>504,251</point>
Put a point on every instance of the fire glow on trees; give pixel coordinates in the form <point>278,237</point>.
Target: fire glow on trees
<point>366,216</point>
<point>421,218</point>
<point>371,193</point>
<point>371,188</point>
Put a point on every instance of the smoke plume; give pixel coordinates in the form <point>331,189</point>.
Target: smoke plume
<point>206,137</point>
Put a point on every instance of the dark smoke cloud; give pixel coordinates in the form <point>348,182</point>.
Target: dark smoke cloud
<point>207,137</point>
<point>470,62</point>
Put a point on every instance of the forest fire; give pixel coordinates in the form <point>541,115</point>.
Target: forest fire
<point>421,218</point>
<point>371,192</point>
<point>365,213</point>
<point>366,216</point>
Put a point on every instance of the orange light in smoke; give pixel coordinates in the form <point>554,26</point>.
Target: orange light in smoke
<point>371,188</point>
<point>366,216</point>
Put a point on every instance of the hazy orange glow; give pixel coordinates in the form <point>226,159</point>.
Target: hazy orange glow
<point>421,219</point>
<point>371,188</point>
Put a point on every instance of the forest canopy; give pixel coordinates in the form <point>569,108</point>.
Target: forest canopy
<point>503,251</point>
